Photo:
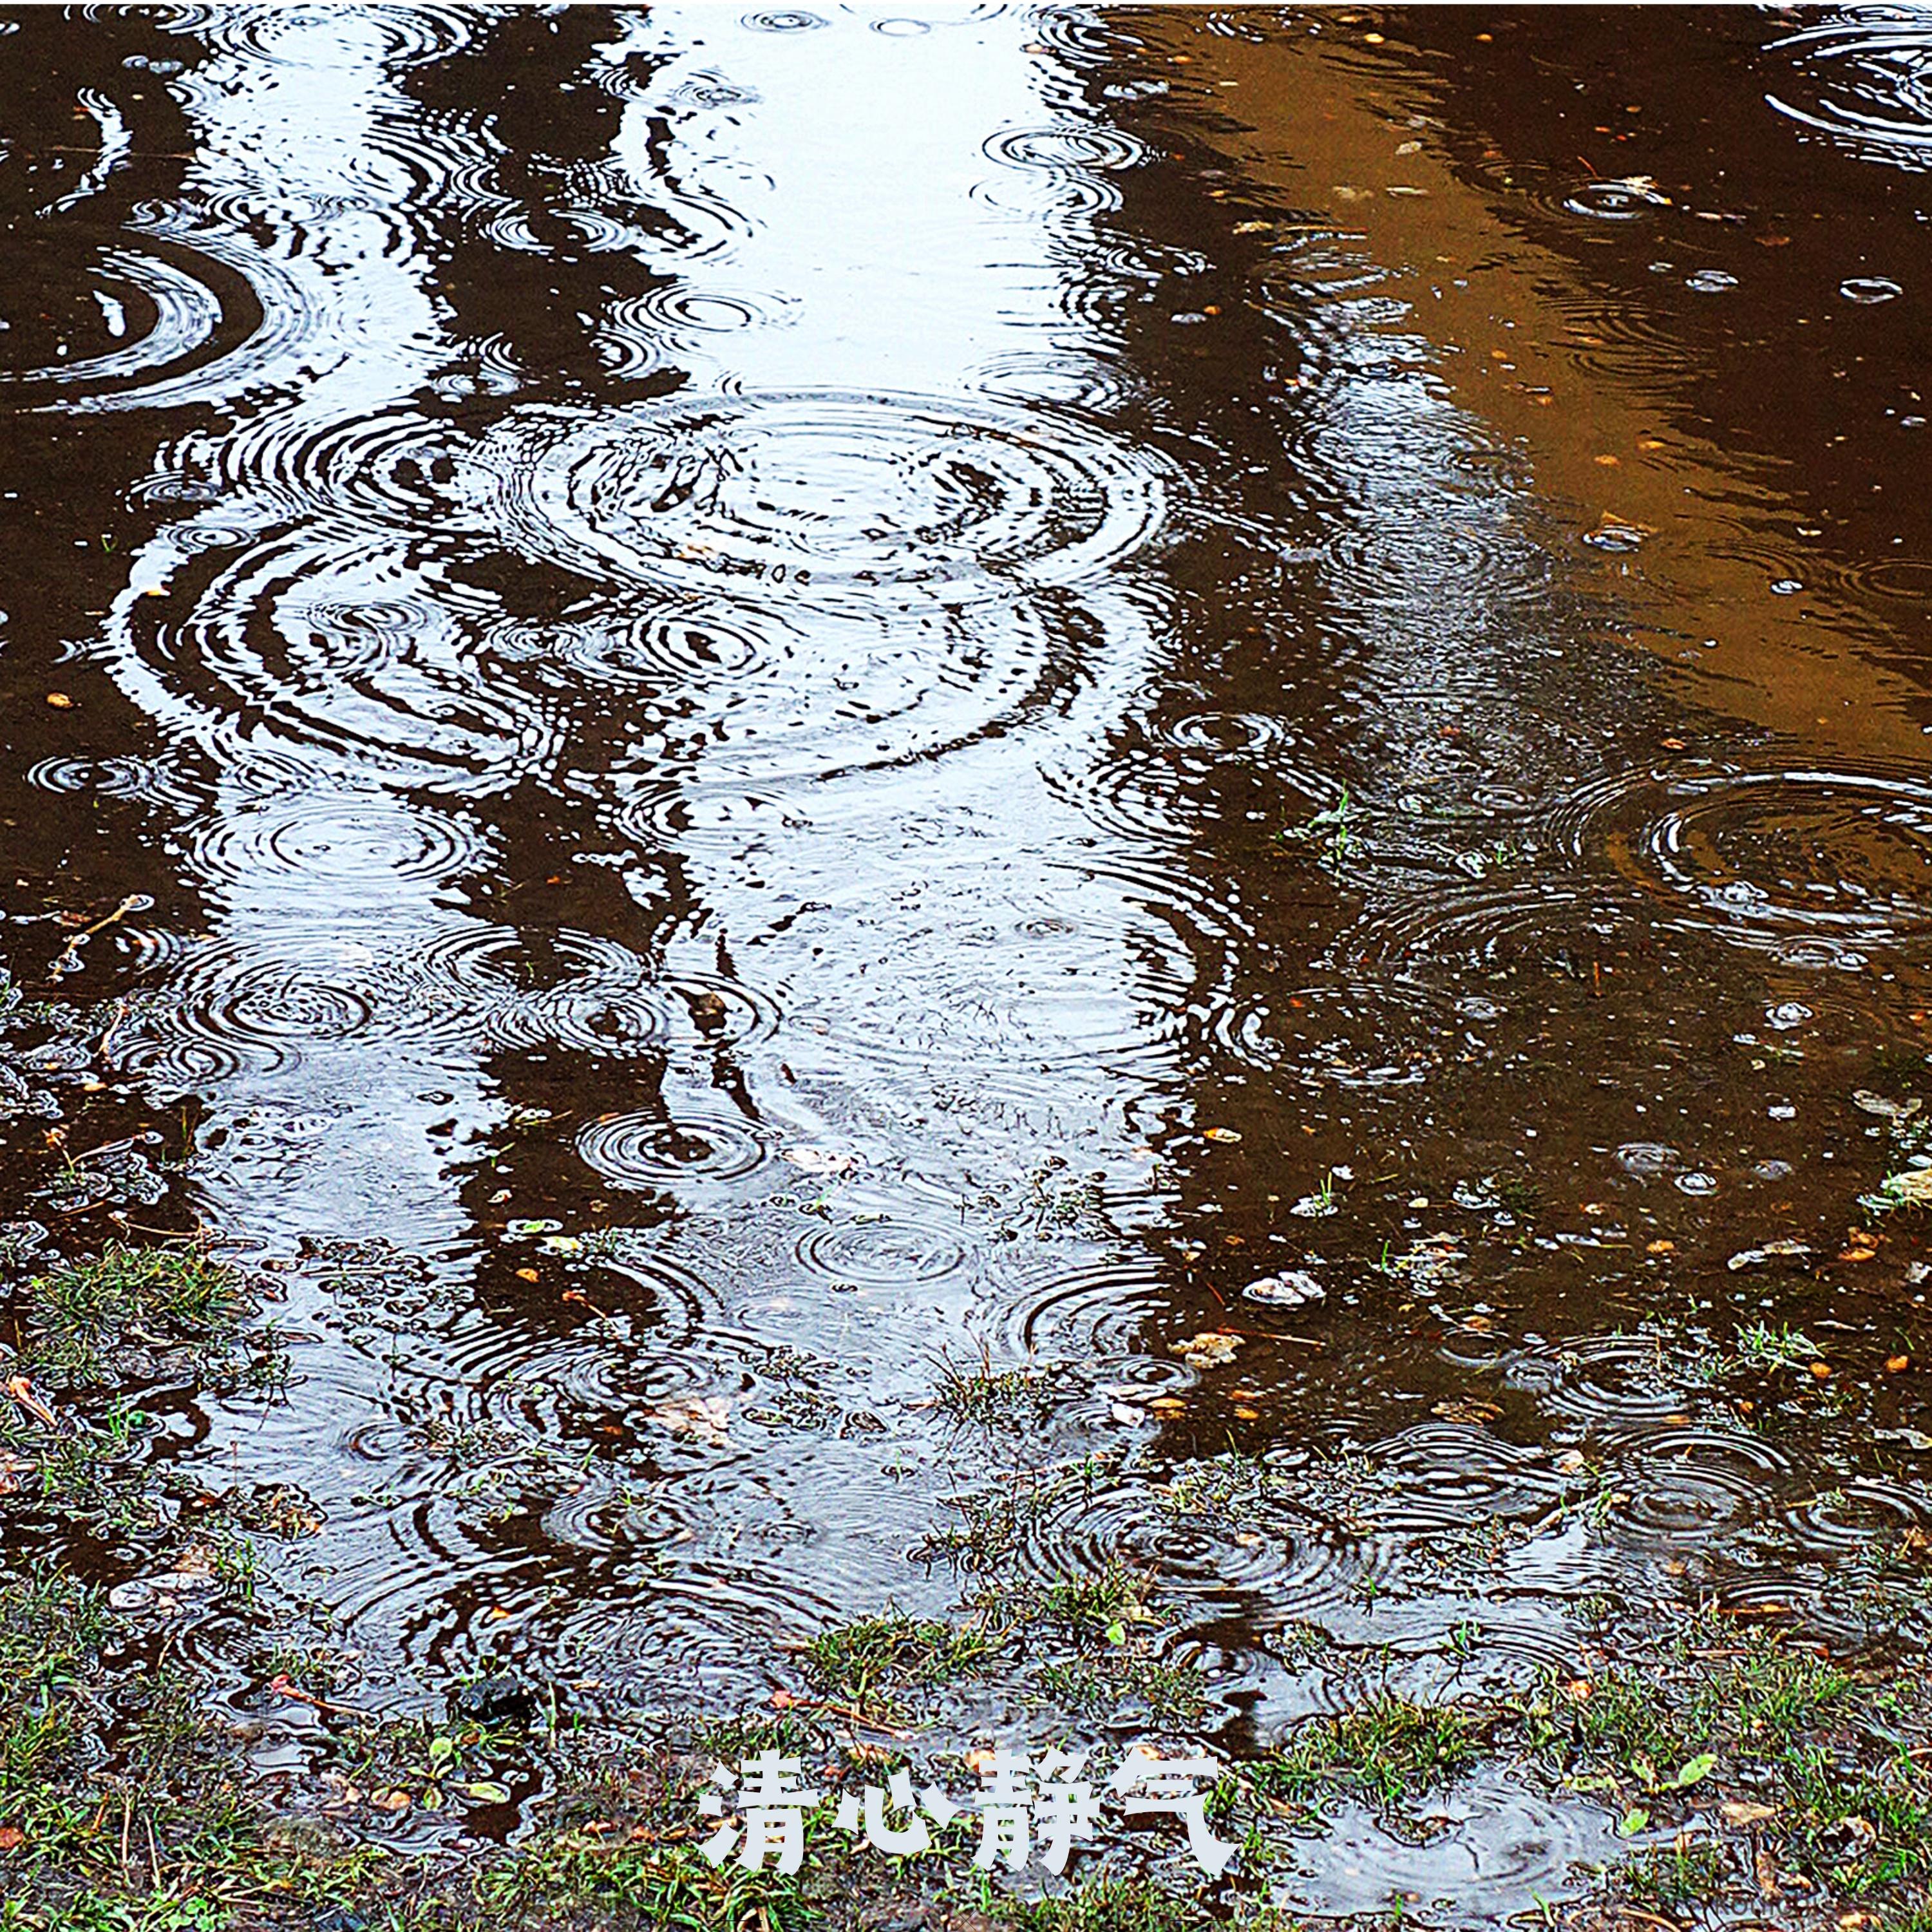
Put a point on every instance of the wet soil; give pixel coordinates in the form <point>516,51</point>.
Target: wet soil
<point>815,821</point>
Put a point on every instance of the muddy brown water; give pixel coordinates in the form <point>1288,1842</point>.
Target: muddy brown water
<point>790,696</point>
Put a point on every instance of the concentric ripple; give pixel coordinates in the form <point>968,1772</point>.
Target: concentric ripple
<point>750,691</point>
<point>1685,1483</point>
<point>1615,200</point>
<point>1288,1564</point>
<point>148,779</point>
<point>782,20</point>
<point>579,992</point>
<point>1864,78</point>
<point>652,1152</point>
<point>1102,1309</point>
<point>685,315</point>
<point>1625,1380</point>
<point>885,1253</point>
<point>339,837</point>
<point>828,489</point>
<point>74,322</point>
<point>1072,146</point>
<point>1058,172</point>
<point>1856,1517</point>
<point>232,1005</point>
<point>380,37</point>
<point>1495,926</point>
<point>1498,1843</point>
<point>321,645</point>
<point>1817,868</point>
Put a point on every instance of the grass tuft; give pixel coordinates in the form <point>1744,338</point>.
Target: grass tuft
<point>869,1663</point>
<point>78,1313</point>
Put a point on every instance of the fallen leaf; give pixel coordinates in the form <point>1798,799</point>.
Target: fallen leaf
<point>1464,1408</point>
<point>1212,1349</point>
<point>1293,1288</point>
<point>1861,1834</point>
<point>828,1162</point>
<point>1229,1134</point>
<point>1772,1251</point>
<point>22,1390</point>
<point>489,1791</point>
<point>528,1274</point>
<point>705,1417</point>
<point>1869,1103</point>
<point>11,1837</point>
<point>1739,1812</point>
<point>1897,1365</point>
<point>60,700</point>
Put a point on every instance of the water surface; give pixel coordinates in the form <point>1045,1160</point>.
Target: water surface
<point>787,697</point>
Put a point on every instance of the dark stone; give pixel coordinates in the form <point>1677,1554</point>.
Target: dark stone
<point>501,1697</point>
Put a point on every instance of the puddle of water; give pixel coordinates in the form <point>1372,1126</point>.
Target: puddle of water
<point>764,750</point>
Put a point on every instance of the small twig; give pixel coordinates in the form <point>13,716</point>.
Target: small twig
<point>67,960</point>
<point>282,1687</point>
<point>106,1147</point>
<point>851,1713</point>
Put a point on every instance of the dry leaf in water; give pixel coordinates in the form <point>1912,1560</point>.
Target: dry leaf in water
<point>704,1417</point>
<point>1211,1349</point>
<point>1465,1409</point>
<point>827,1162</point>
